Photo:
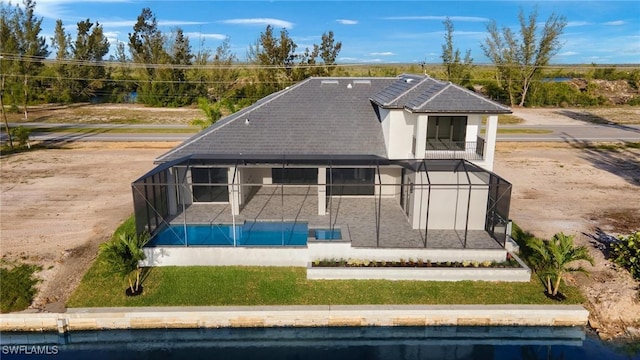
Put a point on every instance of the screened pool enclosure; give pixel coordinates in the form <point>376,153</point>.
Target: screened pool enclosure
<point>224,200</point>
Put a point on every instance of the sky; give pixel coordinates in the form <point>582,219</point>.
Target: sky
<point>600,32</point>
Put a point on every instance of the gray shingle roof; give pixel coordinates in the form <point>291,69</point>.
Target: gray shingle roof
<point>316,116</point>
<point>328,116</point>
<point>427,95</point>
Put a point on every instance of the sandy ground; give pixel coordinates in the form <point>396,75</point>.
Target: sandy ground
<point>58,205</point>
<point>557,188</point>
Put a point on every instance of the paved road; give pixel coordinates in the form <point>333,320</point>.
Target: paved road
<point>569,133</point>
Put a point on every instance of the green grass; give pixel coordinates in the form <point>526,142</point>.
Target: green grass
<point>82,130</point>
<point>505,119</point>
<point>18,286</point>
<point>520,131</point>
<point>238,285</point>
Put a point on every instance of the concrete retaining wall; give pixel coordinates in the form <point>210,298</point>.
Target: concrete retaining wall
<point>300,256</point>
<point>343,250</point>
<point>419,274</point>
<point>296,316</point>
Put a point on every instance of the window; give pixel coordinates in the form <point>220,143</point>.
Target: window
<point>294,176</point>
<point>354,181</point>
<point>447,128</point>
<point>204,188</point>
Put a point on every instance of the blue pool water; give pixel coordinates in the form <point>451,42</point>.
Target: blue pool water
<point>248,234</point>
<point>353,343</point>
<point>328,234</point>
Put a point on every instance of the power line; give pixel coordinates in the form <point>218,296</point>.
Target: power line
<point>240,66</point>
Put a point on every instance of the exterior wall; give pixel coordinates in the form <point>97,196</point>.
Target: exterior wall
<point>302,255</point>
<point>322,191</point>
<point>184,191</point>
<point>447,208</point>
<point>401,130</point>
<point>490,141</point>
<point>389,176</point>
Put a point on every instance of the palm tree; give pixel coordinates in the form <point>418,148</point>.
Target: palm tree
<point>552,259</point>
<point>123,254</point>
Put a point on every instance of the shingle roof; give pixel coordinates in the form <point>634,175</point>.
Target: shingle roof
<point>427,95</point>
<point>327,116</point>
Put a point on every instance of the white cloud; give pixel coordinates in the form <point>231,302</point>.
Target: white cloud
<point>197,35</point>
<point>373,60</point>
<point>577,23</point>
<point>347,22</point>
<point>260,21</point>
<point>440,18</point>
<point>386,53</point>
<point>615,23</point>
<point>569,53</point>
<point>61,9</point>
<point>179,23</point>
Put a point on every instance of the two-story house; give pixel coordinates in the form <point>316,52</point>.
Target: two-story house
<point>403,162</point>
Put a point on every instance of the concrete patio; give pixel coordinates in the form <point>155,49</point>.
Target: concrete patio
<point>356,217</point>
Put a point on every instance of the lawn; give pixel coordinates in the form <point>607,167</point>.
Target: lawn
<point>234,285</point>
<point>239,285</point>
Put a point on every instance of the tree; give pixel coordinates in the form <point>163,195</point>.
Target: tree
<point>32,48</point>
<point>521,60</point>
<point>89,49</point>
<point>123,254</point>
<point>552,259</point>
<point>61,42</point>
<point>278,57</point>
<point>456,69</point>
<point>223,75</point>
<point>146,45</point>
<point>180,91</point>
<point>8,45</point>
<point>211,111</point>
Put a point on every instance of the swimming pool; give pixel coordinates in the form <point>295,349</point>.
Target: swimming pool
<point>254,233</point>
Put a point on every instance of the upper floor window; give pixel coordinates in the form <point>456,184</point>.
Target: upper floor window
<point>447,129</point>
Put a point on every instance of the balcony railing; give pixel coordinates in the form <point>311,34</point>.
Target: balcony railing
<point>446,149</point>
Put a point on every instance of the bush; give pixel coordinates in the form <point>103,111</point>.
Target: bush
<point>626,253</point>
<point>21,135</point>
<point>18,287</point>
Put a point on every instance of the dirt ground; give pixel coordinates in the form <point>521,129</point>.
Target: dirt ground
<point>58,205</point>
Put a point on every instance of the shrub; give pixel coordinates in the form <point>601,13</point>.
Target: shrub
<point>18,287</point>
<point>552,259</point>
<point>20,135</point>
<point>626,253</point>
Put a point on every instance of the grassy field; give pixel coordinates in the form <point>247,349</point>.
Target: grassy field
<point>237,285</point>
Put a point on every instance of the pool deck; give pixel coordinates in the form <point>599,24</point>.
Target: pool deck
<point>354,216</point>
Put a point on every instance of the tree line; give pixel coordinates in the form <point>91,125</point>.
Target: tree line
<point>162,69</point>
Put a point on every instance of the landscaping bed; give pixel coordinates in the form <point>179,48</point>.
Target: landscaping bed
<point>512,270</point>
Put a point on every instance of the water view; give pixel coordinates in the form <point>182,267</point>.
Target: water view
<point>444,342</point>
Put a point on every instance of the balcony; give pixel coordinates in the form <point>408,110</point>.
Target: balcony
<point>447,149</point>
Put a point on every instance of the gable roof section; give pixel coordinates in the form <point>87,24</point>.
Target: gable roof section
<point>318,116</point>
<point>423,94</point>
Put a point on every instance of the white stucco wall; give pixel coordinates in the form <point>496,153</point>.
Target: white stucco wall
<point>390,178</point>
<point>400,134</point>
<point>448,204</point>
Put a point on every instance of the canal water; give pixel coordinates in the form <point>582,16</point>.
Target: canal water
<point>352,343</point>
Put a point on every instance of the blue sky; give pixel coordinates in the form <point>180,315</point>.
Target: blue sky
<point>602,32</point>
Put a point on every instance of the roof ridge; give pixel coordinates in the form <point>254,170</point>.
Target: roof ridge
<point>231,118</point>
<point>406,91</point>
<point>436,94</point>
